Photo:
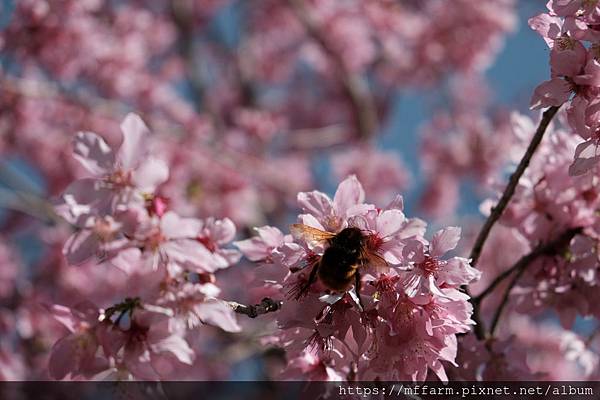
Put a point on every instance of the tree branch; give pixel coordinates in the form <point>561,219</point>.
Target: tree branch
<point>355,86</point>
<point>266,306</point>
<point>512,184</point>
<point>551,248</point>
<point>498,280</point>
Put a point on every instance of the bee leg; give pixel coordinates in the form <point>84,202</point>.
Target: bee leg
<point>299,290</point>
<point>312,278</point>
<point>357,287</point>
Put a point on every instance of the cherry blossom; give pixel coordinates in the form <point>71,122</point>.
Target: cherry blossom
<point>158,161</point>
<point>332,329</point>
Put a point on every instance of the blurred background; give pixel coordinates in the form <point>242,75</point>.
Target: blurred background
<point>250,102</point>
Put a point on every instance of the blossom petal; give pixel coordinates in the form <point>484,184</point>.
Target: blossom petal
<point>586,157</point>
<point>217,313</point>
<point>390,222</point>
<point>349,193</point>
<point>547,26</point>
<point>150,174</point>
<point>457,272</point>
<point>80,247</point>
<point>177,346</point>
<point>175,227</point>
<point>135,135</point>
<point>222,231</point>
<point>93,153</point>
<point>554,92</point>
<point>316,203</point>
<point>445,240</point>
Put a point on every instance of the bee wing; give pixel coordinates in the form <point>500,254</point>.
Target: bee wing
<point>309,234</point>
<point>375,261</point>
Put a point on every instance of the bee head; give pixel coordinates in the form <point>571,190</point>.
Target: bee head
<point>351,238</point>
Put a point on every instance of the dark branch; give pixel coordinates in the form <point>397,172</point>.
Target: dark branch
<point>266,305</point>
<point>498,280</point>
<point>512,184</point>
<point>551,248</point>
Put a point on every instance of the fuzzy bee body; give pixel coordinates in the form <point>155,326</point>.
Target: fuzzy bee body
<point>339,266</point>
<point>341,260</point>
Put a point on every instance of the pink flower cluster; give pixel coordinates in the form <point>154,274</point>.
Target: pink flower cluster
<point>120,221</point>
<point>404,320</point>
<point>528,352</point>
<point>547,203</point>
<point>569,29</point>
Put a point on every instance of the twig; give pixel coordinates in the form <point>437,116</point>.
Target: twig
<point>512,184</point>
<point>498,280</point>
<point>551,248</point>
<point>479,328</point>
<point>355,86</point>
<point>266,305</point>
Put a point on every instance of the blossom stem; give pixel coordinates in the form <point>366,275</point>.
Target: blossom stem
<point>266,306</point>
<point>355,86</point>
<point>551,248</point>
<point>497,211</point>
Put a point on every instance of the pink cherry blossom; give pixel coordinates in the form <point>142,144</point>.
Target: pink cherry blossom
<point>428,273</point>
<point>117,176</point>
<point>333,330</point>
<point>75,353</point>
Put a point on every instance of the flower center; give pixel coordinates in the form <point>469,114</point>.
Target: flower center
<point>374,242</point>
<point>429,265</point>
<point>104,230</point>
<point>386,283</point>
<point>154,240</point>
<point>333,223</point>
<point>119,179</point>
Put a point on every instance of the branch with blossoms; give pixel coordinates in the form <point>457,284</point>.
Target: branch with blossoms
<point>554,247</point>
<point>557,246</point>
<point>498,209</point>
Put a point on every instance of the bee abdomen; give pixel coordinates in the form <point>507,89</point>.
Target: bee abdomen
<point>338,279</point>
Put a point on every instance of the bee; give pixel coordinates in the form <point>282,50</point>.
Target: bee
<point>339,267</point>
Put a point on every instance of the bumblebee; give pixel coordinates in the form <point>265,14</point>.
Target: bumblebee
<point>339,267</point>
